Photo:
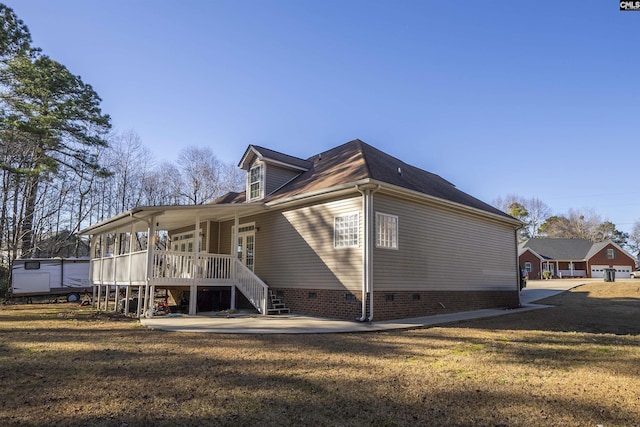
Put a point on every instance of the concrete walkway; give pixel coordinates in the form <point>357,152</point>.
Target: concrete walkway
<point>252,323</point>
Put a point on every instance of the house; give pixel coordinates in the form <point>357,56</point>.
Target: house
<point>564,258</point>
<point>350,233</point>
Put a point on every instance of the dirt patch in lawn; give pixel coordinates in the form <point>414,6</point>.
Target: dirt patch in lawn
<point>577,364</point>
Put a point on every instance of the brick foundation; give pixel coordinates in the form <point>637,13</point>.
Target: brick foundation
<point>392,305</point>
<point>322,302</point>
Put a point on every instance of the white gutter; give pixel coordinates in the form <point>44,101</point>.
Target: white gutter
<point>314,194</point>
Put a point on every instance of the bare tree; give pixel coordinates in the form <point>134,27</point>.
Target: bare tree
<point>200,172</point>
<point>634,239</point>
<point>161,186</point>
<point>532,212</point>
<point>130,162</point>
<point>232,178</point>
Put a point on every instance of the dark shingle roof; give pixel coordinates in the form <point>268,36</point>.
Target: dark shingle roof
<point>230,197</point>
<point>268,154</point>
<point>560,249</point>
<point>357,160</point>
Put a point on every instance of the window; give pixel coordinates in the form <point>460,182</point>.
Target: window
<point>255,182</point>
<point>528,267</point>
<point>345,231</point>
<point>611,254</point>
<point>386,231</point>
<point>185,242</point>
<point>32,265</point>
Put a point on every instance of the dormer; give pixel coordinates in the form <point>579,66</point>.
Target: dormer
<point>268,170</point>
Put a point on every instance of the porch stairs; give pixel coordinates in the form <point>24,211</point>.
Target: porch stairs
<point>276,306</point>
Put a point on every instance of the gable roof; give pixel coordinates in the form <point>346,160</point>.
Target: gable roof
<point>559,249</point>
<point>356,161</point>
<point>566,249</point>
<point>271,156</point>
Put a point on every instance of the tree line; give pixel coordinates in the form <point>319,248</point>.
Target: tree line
<point>575,224</point>
<point>62,165</point>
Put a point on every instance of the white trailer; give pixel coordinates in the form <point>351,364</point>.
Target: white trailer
<point>50,276</point>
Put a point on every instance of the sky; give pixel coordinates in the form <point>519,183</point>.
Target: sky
<point>538,99</point>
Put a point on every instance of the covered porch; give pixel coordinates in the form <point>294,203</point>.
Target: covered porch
<point>564,269</point>
<point>175,248</point>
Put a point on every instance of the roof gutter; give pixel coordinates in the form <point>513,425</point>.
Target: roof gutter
<point>310,196</point>
<point>116,218</point>
<point>447,203</point>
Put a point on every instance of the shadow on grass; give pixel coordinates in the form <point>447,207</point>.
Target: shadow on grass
<point>79,372</point>
<point>575,311</point>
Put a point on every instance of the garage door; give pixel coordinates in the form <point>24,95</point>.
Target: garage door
<point>622,271</point>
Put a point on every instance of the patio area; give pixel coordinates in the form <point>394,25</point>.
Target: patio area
<point>252,323</point>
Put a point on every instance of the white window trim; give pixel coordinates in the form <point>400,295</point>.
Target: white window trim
<point>610,251</point>
<point>260,182</point>
<point>188,237</point>
<point>357,227</point>
<point>395,245</point>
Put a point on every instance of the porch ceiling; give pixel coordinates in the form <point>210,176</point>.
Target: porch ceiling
<point>171,217</point>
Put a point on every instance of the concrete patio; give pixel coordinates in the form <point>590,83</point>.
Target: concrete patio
<point>252,323</point>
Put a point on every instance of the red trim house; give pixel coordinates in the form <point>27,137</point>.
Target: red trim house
<point>564,258</point>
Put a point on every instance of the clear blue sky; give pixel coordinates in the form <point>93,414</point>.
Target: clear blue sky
<point>540,99</point>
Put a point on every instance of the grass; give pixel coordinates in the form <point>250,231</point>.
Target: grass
<point>577,364</point>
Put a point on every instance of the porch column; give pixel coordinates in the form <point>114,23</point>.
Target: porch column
<point>103,254</point>
<point>193,299</point>
<point>557,269</point>
<point>96,299</point>
<point>140,300</point>
<point>114,258</point>
<point>234,248</point>
<point>233,297</point>
<point>116,299</point>
<point>127,296</point>
<point>151,229</point>
<point>196,261</point>
<point>152,300</point>
<point>107,290</point>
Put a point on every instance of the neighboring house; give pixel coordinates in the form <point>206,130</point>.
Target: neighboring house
<point>565,258</point>
<point>349,233</point>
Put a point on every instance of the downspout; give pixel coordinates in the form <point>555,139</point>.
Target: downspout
<point>367,253</point>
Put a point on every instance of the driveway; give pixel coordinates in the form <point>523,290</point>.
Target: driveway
<point>541,289</point>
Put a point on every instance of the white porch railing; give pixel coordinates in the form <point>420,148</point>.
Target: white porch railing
<point>573,273</point>
<point>251,286</point>
<point>170,266</point>
<point>182,268</point>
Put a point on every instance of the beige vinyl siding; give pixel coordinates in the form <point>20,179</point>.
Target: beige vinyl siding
<point>213,237</point>
<point>276,177</point>
<point>294,247</point>
<point>442,249</point>
<point>225,237</point>
<point>301,251</point>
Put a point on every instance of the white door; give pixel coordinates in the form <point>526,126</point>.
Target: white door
<point>245,250</point>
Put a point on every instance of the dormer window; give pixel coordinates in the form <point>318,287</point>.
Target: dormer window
<point>255,183</point>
